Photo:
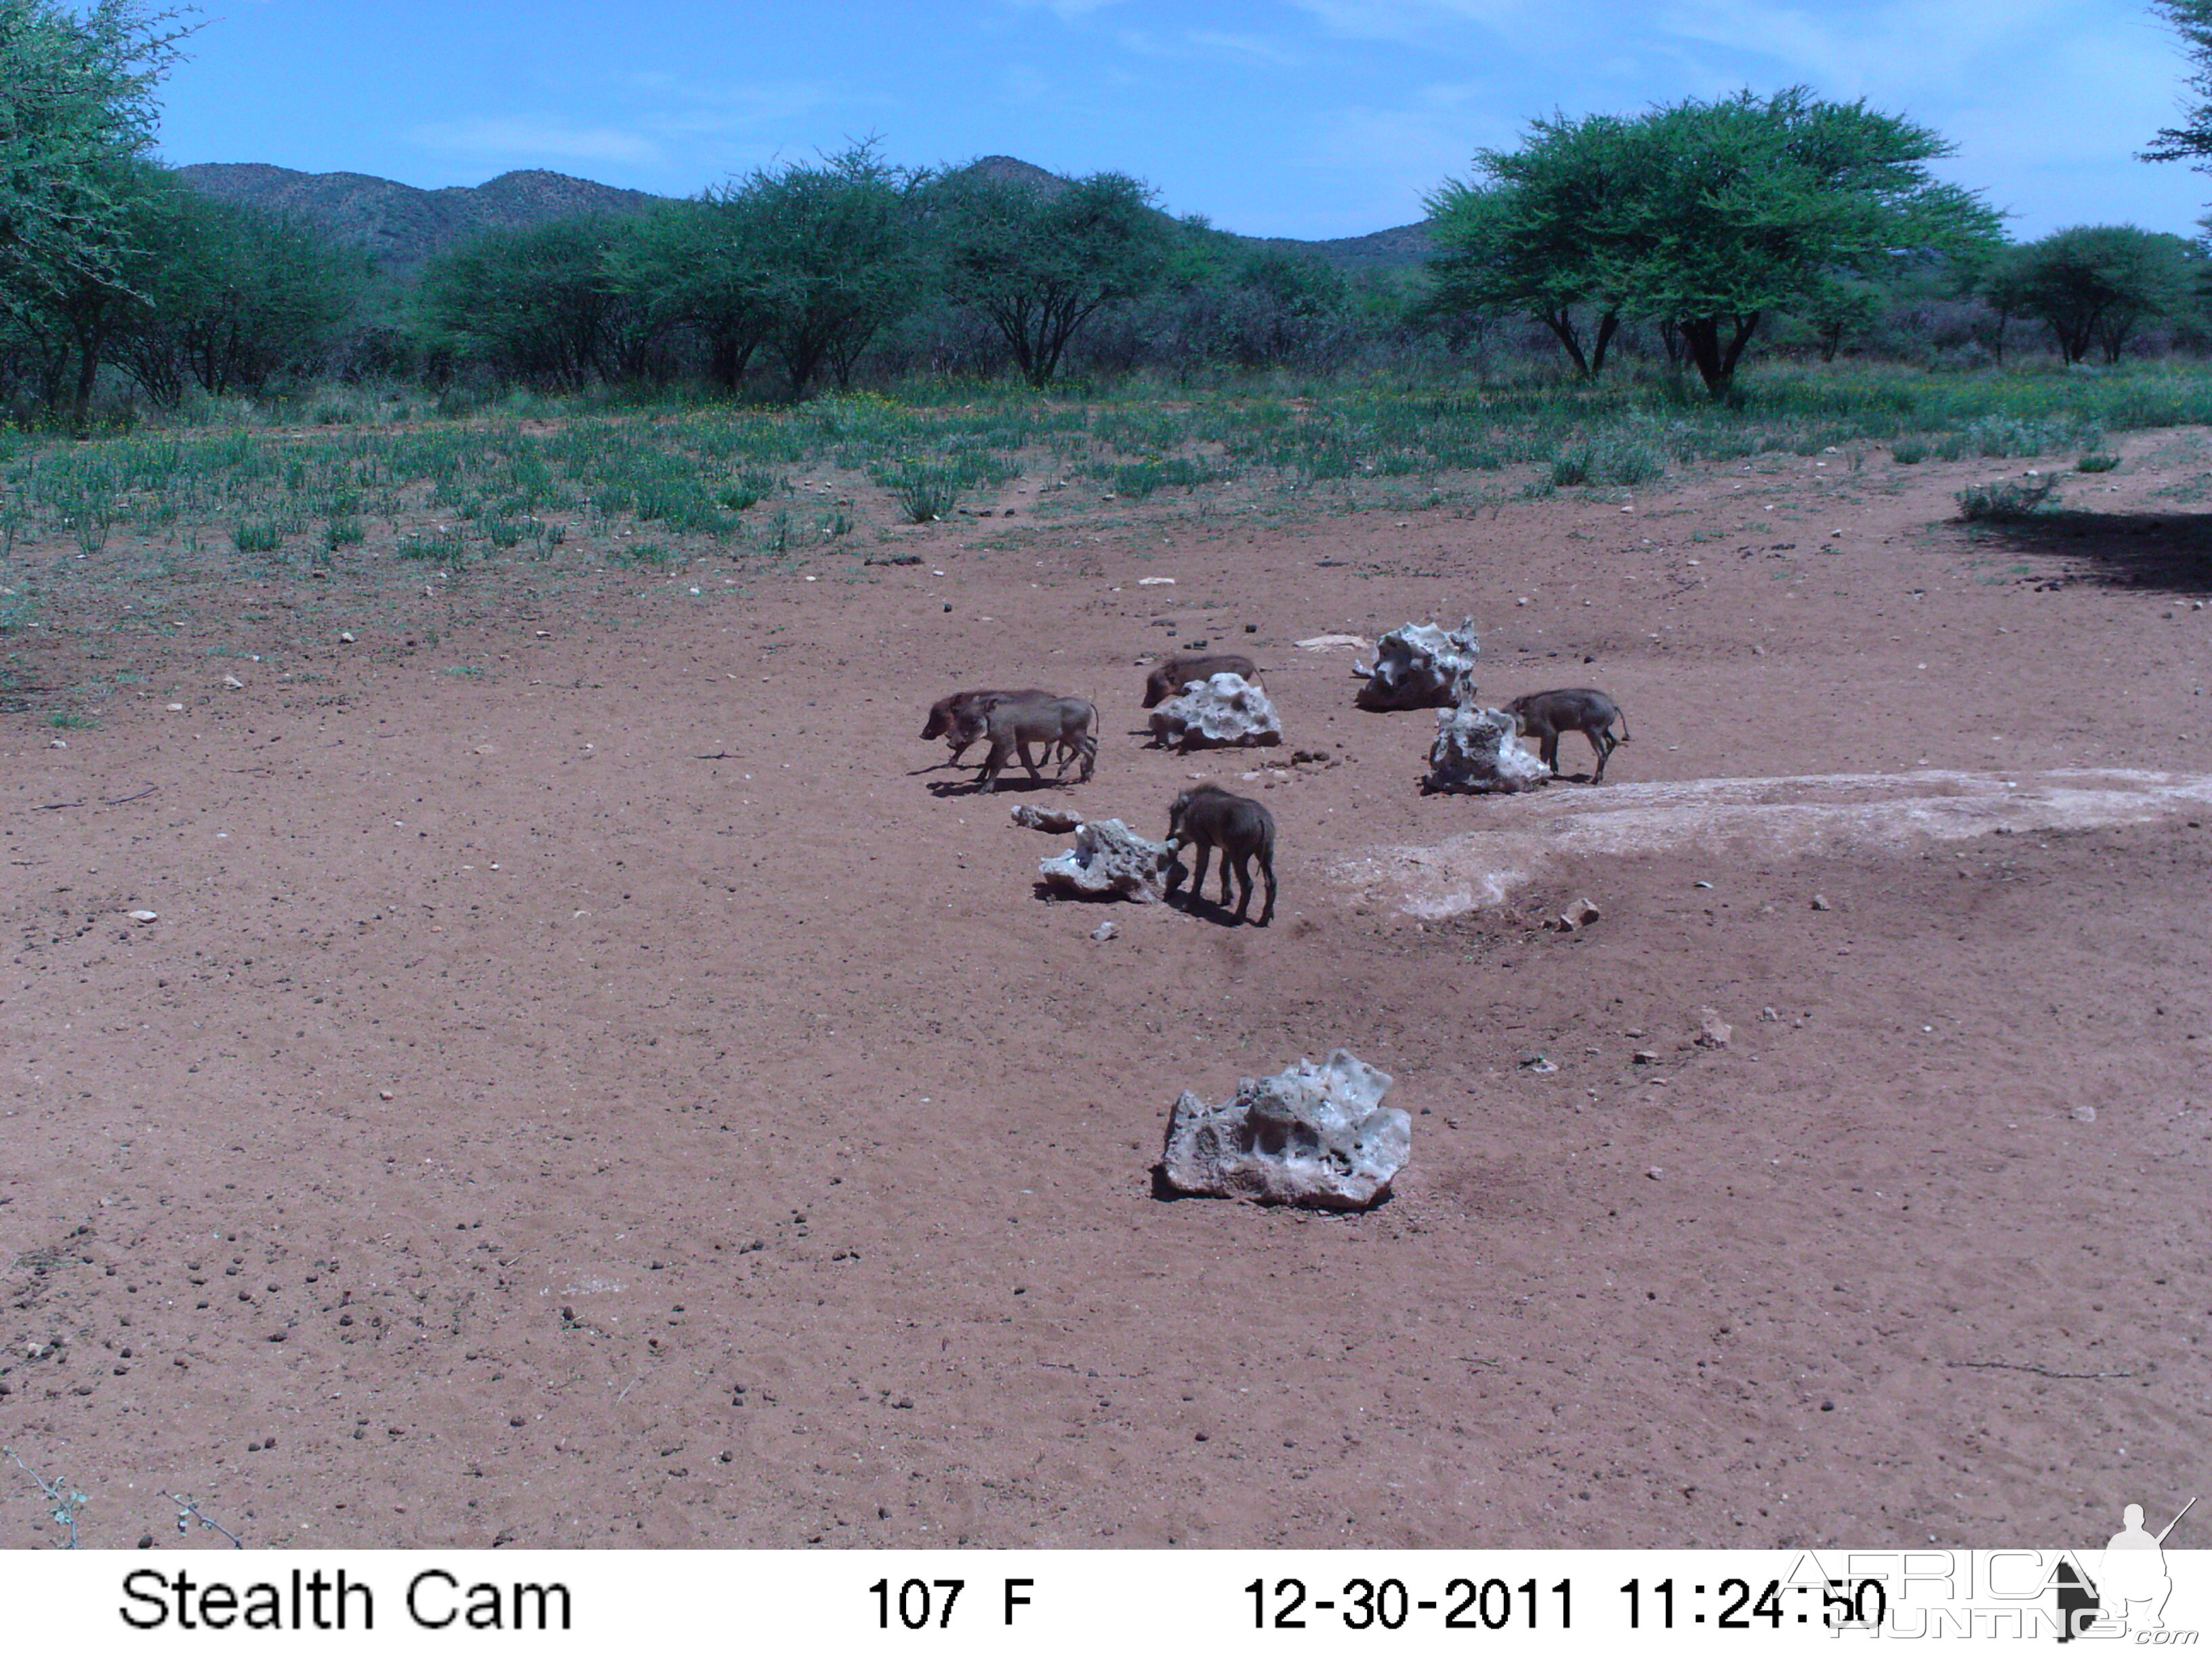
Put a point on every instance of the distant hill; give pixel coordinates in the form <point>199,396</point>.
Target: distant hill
<point>402,226</point>
<point>1402,247</point>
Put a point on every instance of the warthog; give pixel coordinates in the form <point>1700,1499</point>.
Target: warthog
<point>1543,716</point>
<point>962,712</point>
<point>1068,722</point>
<point>1208,817</point>
<point>1171,676</point>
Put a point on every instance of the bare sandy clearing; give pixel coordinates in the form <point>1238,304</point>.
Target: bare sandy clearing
<point>610,1097</point>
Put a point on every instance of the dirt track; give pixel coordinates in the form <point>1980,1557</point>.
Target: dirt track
<point>623,1099</point>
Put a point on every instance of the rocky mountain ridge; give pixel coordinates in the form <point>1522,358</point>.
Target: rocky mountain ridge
<point>403,225</point>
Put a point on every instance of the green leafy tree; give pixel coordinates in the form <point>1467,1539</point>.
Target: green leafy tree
<point>698,266</point>
<point>73,320</point>
<point>1287,307</point>
<point>2192,140</point>
<point>1839,307</point>
<point>829,252</point>
<point>76,112</point>
<point>1525,239</point>
<point>1042,260</point>
<point>2094,285</point>
<point>538,305</point>
<point>1706,216</point>
<point>231,296</point>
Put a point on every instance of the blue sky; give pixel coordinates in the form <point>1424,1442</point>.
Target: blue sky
<point>1298,117</point>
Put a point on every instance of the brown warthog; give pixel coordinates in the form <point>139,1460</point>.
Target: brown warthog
<point>962,712</point>
<point>1068,722</point>
<point>1543,716</point>
<point>1171,676</point>
<point>1208,817</point>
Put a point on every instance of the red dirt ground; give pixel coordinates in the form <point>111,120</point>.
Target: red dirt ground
<point>618,1099</point>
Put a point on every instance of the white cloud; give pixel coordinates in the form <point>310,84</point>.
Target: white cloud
<point>1196,45</point>
<point>524,137</point>
<point>1416,22</point>
<point>1254,49</point>
<point>1066,11</point>
<point>1888,49</point>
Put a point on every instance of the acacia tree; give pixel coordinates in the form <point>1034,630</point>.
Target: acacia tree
<point>231,296</point>
<point>2192,140</point>
<point>1519,241</point>
<point>2095,284</point>
<point>829,254</point>
<point>1040,261</point>
<point>538,304</point>
<point>1708,216</point>
<point>77,111</point>
<point>1841,307</point>
<point>80,312</point>
<point>696,265</point>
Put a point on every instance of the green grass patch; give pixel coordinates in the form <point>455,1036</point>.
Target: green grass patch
<point>2008,501</point>
<point>1616,460</point>
<point>924,494</point>
<point>445,548</point>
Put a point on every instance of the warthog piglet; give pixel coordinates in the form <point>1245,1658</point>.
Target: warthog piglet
<point>1209,816</point>
<point>1171,676</point>
<point>1543,716</point>
<point>963,711</point>
<point>1068,722</point>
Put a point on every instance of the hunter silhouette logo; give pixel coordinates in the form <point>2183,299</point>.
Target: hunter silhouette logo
<point>2131,1583</point>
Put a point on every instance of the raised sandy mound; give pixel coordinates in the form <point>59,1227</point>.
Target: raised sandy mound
<point>1763,818</point>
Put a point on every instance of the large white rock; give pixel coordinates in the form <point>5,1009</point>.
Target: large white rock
<point>1478,752</point>
<point>1421,667</point>
<point>1111,861</point>
<point>1225,712</point>
<point>1314,1135</point>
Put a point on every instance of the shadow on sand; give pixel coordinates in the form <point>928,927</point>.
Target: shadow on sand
<point>2168,551</point>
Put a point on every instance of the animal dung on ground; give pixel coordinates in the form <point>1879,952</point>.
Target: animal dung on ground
<point>1109,860</point>
<point>1317,1136</point>
<point>1476,753</point>
<point>1054,820</point>
<point>1224,712</point>
<point>1421,665</point>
